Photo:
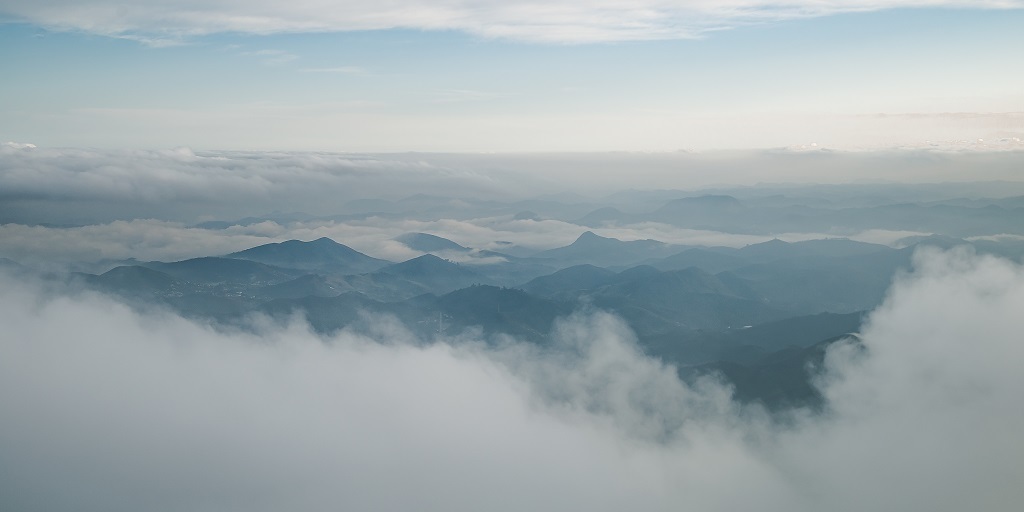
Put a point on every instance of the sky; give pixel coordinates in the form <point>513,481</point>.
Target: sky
<point>483,76</point>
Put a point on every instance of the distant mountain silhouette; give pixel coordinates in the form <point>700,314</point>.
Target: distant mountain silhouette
<point>756,315</point>
<point>134,280</point>
<point>435,274</point>
<point>507,270</point>
<point>700,212</point>
<point>707,259</point>
<point>648,281</point>
<point>322,254</point>
<point>597,250</point>
<point>425,242</point>
<point>776,249</point>
<point>940,241</point>
<point>689,298</point>
<point>136,276</point>
<point>773,249</point>
<point>704,204</point>
<point>603,216</point>
<point>839,247</point>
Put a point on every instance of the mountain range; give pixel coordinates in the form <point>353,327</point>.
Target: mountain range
<point>758,315</point>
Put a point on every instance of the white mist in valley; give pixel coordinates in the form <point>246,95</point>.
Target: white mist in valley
<point>110,408</point>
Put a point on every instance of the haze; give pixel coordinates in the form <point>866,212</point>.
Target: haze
<point>479,255</point>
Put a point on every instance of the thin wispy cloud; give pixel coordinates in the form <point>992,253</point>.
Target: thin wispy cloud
<point>560,21</point>
<point>339,70</point>
<point>464,95</point>
<point>272,57</point>
<point>149,240</point>
<point>51,185</point>
<point>153,41</point>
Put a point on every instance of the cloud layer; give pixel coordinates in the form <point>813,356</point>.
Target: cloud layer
<point>109,409</point>
<point>84,186</point>
<point>77,186</point>
<point>562,21</point>
<point>153,240</point>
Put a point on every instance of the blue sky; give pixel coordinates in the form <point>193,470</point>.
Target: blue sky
<point>877,78</point>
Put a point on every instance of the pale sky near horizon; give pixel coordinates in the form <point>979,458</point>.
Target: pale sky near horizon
<point>478,75</point>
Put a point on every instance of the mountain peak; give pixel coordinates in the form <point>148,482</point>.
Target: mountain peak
<point>590,236</point>
<point>436,274</point>
<point>426,242</point>
<point>322,254</point>
<point>428,263</point>
<point>431,259</point>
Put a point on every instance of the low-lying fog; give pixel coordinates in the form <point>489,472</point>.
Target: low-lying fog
<point>106,408</point>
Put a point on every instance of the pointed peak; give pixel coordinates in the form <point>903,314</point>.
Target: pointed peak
<point>590,235</point>
<point>427,260</point>
<point>428,257</point>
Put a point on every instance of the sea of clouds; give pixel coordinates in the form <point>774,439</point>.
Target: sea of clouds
<point>107,407</point>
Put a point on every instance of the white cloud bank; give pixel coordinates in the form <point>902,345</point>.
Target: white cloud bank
<point>65,186</point>
<point>81,186</point>
<point>108,409</point>
<point>558,21</point>
<point>55,248</point>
